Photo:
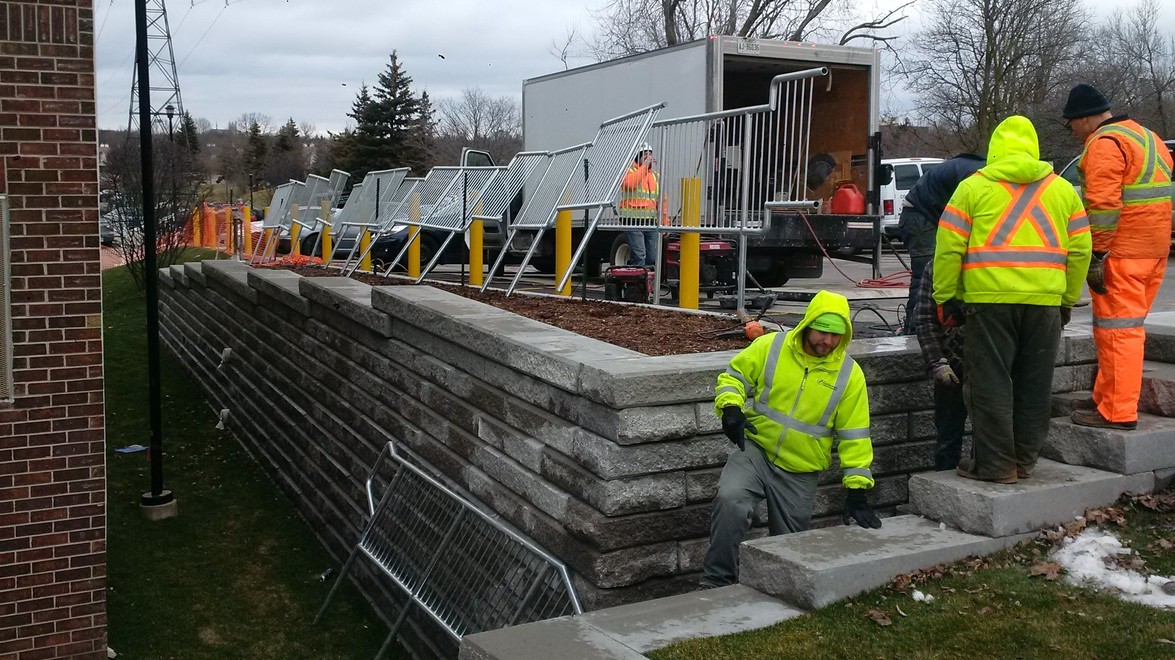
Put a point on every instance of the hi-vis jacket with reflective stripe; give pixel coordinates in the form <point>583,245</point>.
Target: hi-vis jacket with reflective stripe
<point>638,193</point>
<point>1125,176</point>
<point>1013,232</point>
<point>799,403</point>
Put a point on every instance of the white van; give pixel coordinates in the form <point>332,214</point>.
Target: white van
<point>905,172</point>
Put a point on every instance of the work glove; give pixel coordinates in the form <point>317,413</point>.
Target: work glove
<point>857,508</point>
<point>1096,277</point>
<point>735,425</point>
<point>942,374</point>
<point>951,313</point>
<point>1066,315</point>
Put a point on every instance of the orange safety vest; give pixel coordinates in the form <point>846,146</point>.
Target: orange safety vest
<point>1125,175</point>
<point>638,193</point>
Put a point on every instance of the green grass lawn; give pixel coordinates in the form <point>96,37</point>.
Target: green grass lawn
<point>990,608</point>
<point>236,575</point>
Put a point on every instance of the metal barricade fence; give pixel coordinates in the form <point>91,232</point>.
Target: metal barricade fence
<point>606,162</point>
<point>453,213</point>
<point>467,570</point>
<point>554,177</point>
<point>361,210</point>
<point>741,162</point>
<point>421,202</point>
<point>392,208</point>
<point>272,222</point>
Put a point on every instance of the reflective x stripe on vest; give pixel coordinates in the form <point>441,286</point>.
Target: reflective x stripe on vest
<point>639,202</point>
<point>998,252</point>
<point>786,420</point>
<point>1147,188</point>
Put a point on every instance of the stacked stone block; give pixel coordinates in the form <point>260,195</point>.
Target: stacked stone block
<point>605,457</point>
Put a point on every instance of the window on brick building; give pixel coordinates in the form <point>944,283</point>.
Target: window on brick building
<point>5,307</point>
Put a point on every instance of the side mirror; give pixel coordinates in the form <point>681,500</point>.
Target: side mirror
<point>884,174</point>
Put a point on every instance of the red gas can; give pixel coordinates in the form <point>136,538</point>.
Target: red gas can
<point>848,199</point>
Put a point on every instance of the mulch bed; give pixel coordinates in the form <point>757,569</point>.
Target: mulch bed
<point>648,330</point>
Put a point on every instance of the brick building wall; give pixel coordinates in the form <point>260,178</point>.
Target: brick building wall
<point>52,471</point>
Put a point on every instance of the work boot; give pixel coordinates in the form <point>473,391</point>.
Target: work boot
<point>1023,472</point>
<point>1094,418</point>
<point>1083,404</point>
<point>967,470</point>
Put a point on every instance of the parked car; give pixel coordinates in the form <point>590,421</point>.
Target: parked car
<point>1069,173</point>
<point>906,172</point>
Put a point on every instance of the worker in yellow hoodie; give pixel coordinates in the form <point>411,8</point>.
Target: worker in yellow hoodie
<point>1012,250</point>
<point>792,395</point>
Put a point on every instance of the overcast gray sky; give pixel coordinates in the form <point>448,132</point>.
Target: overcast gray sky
<point>307,58</point>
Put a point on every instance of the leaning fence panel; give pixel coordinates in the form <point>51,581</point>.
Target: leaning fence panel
<point>468,571</point>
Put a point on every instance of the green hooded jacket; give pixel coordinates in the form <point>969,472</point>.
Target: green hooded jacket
<point>1013,232</point>
<point>801,404</point>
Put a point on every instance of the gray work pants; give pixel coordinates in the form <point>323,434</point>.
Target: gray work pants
<point>748,478</point>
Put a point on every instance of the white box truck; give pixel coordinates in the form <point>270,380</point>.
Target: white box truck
<point>723,73</point>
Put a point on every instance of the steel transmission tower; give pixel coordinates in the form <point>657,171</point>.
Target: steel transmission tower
<point>165,83</point>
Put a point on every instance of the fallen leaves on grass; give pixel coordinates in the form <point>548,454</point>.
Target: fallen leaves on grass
<point>1159,502</point>
<point>1109,514</point>
<point>1049,570</point>
<point>879,618</point>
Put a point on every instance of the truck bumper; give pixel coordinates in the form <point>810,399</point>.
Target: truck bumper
<point>833,231</point>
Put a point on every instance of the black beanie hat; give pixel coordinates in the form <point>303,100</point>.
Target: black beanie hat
<point>1084,101</point>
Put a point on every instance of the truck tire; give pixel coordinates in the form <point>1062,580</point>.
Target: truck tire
<point>618,255</point>
<point>544,265</point>
<point>775,275</point>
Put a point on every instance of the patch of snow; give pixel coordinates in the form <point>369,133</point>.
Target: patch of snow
<point>921,597</point>
<point>1088,559</point>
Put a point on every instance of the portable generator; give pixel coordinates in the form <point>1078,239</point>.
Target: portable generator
<point>629,283</point>
<point>717,267</point>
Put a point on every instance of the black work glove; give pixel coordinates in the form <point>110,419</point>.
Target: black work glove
<point>1096,277</point>
<point>736,426</point>
<point>857,508</point>
<point>1066,315</point>
<point>951,314</point>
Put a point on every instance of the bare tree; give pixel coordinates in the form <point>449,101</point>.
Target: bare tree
<point>1133,63</point>
<point>979,61</point>
<point>568,48</point>
<point>177,184</point>
<point>475,119</point>
<point>627,27</point>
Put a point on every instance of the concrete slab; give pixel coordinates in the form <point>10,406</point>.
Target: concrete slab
<point>567,638</point>
<point>1149,447</point>
<point>1063,402</point>
<point>822,566</point>
<point>657,623</point>
<point>1055,494</point>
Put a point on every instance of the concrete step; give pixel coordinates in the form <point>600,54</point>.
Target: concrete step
<point>1149,447</point>
<point>822,566</point>
<point>1063,402</point>
<point>627,631</point>
<point>1158,389</point>
<point>1055,494</point>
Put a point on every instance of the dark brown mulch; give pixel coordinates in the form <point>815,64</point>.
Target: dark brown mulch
<point>648,330</point>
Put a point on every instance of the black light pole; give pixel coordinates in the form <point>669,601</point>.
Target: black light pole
<point>158,503</point>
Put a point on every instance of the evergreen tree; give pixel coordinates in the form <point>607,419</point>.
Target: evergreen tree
<point>287,137</point>
<point>189,136</point>
<point>392,126</point>
<point>256,151</point>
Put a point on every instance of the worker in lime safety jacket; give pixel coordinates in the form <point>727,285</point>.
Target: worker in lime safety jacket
<point>1125,174</point>
<point>792,395</point>
<point>639,196</point>
<point>1010,257</point>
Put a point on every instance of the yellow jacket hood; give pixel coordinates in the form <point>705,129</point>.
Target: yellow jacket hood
<point>1014,153</point>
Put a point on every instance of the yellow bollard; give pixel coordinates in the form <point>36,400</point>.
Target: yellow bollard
<point>689,255</point>
<point>247,229</point>
<point>327,243</point>
<point>414,241</point>
<point>210,228</point>
<point>229,234</point>
<point>563,248</point>
<point>365,250</point>
<point>476,244</point>
<point>295,228</point>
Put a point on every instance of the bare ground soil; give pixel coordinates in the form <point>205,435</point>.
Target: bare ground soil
<point>645,329</point>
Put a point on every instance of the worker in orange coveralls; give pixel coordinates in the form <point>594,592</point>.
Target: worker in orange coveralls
<point>1125,174</point>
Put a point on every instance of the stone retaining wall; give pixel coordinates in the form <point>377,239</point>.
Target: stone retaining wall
<point>606,457</point>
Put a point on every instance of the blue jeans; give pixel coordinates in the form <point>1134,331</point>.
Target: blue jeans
<point>642,247</point>
<point>950,420</point>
